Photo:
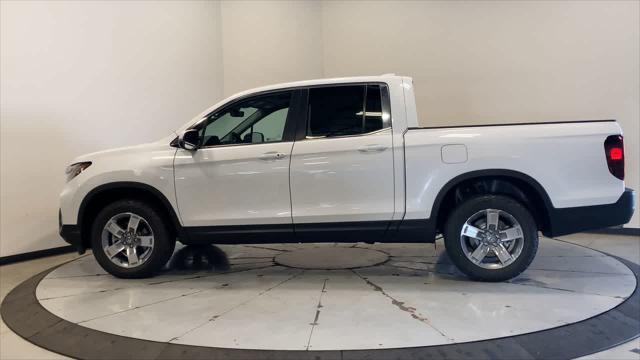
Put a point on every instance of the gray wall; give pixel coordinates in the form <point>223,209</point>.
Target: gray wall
<point>77,77</point>
<point>266,42</point>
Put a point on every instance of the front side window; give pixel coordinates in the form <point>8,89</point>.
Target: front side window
<point>345,110</point>
<point>270,126</point>
<point>260,119</point>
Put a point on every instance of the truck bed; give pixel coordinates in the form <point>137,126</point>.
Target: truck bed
<point>566,158</point>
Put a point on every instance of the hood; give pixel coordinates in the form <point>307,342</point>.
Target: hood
<point>161,144</point>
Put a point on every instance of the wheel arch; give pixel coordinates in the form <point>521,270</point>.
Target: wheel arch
<point>105,194</point>
<point>512,183</point>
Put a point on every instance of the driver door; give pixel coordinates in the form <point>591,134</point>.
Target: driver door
<point>237,182</point>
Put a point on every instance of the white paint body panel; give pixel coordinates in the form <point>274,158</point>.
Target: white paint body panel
<point>454,153</point>
<point>150,164</point>
<point>233,185</point>
<point>331,181</point>
<point>343,179</point>
<point>568,160</point>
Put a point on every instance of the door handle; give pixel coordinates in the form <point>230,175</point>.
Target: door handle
<point>273,155</point>
<point>372,148</point>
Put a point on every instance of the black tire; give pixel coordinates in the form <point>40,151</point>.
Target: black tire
<point>163,242</point>
<point>466,210</point>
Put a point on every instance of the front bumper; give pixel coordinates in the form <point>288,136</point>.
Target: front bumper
<point>71,234</point>
<point>571,220</point>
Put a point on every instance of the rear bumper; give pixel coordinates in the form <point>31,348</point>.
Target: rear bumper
<point>71,234</point>
<point>571,220</point>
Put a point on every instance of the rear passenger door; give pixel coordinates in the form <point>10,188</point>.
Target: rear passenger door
<point>342,164</point>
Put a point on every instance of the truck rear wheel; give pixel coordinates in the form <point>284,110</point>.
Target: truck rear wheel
<point>130,239</point>
<point>491,238</point>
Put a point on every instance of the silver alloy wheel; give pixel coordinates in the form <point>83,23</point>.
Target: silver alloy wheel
<point>127,240</point>
<point>492,239</point>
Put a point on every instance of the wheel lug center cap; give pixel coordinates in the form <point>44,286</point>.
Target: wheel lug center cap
<point>492,238</point>
<point>129,238</point>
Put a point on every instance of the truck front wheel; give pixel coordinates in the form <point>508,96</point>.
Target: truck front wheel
<point>130,239</point>
<point>491,237</point>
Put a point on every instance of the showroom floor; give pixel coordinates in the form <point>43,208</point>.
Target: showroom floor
<point>431,304</point>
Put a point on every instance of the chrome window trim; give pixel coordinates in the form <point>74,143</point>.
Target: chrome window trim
<point>243,144</point>
<point>375,132</point>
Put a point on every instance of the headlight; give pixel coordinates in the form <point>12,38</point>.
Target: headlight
<point>74,170</point>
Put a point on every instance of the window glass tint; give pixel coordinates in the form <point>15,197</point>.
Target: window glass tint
<point>255,120</point>
<point>373,109</point>
<point>271,126</point>
<point>342,110</point>
<point>224,124</point>
<point>335,111</point>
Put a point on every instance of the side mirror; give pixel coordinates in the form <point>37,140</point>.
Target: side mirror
<point>189,140</point>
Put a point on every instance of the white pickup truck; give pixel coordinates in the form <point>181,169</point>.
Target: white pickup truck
<point>344,160</point>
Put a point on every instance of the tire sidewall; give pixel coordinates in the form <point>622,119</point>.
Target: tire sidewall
<point>162,243</point>
<point>465,210</point>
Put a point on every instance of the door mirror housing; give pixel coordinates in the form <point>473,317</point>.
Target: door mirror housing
<point>189,140</point>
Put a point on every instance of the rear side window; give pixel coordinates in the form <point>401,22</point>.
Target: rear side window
<point>373,109</point>
<point>344,110</point>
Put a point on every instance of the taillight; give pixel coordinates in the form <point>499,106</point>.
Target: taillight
<point>614,151</point>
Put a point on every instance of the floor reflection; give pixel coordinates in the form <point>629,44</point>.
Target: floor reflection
<point>234,296</point>
<point>198,258</point>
